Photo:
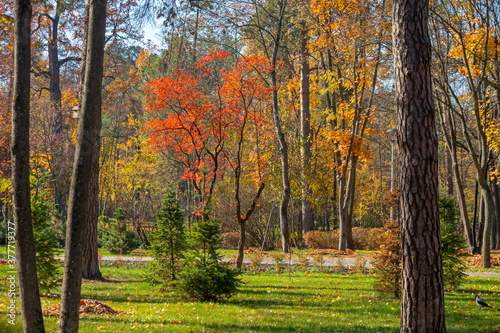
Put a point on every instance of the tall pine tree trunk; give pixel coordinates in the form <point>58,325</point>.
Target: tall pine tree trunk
<point>422,304</point>
<point>24,240</point>
<point>90,269</point>
<point>88,137</point>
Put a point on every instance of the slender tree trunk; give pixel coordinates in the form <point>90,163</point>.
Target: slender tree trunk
<point>462,204</point>
<point>496,205</point>
<point>488,212</point>
<point>242,221</point>
<point>305,119</point>
<point>241,244</point>
<point>449,174</point>
<point>55,94</point>
<point>450,135</point>
<point>283,147</point>
<point>88,138</point>
<point>422,304</point>
<point>346,206</point>
<point>480,227</point>
<point>29,295</point>
<point>474,220</point>
<point>54,70</point>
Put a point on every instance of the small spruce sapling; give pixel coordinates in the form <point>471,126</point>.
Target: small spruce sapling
<point>453,244</point>
<point>48,267</point>
<point>168,243</point>
<point>114,235</point>
<point>204,277</point>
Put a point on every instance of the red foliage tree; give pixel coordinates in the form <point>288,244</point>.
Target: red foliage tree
<point>212,129</point>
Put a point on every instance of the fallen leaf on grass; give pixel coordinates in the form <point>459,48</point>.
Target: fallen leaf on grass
<point>87,307</point>
<point>477,261</point>
<point>331,252</point>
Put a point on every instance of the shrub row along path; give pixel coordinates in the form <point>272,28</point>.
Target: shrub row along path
<point>327,262</point>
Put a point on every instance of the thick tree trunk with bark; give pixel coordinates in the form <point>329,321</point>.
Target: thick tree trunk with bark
<point>305,119</point>
<point>422,304</point>
<point>88,137</point>
<point>24,240</point>
<point>90,269</point>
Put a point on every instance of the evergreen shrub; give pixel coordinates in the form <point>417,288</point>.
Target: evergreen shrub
<point>204,277</point>
<point>168,243</point>
<point>453,244</point>
<point>46,239</point>
<point>113,234</point>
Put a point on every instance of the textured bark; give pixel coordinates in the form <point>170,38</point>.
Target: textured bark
<point>31,309</point>
<point>422,304</point>
<point>305,119</point>
<point>90,268</point>
<point>88,137</point>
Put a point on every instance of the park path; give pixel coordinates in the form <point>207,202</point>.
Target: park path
<point>327,262</point>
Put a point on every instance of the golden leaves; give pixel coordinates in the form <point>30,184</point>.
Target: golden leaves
<point>6,23</point>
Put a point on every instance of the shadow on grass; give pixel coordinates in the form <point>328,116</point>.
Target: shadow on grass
<point>194,326</point>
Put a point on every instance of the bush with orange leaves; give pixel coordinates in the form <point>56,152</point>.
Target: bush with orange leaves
<point>322,239</point>
<point>364,238</point>
<point>387,262</point>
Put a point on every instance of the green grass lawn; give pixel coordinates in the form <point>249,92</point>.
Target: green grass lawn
<point>267,302</point>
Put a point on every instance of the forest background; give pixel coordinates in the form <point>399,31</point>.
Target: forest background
<point>276,118</point>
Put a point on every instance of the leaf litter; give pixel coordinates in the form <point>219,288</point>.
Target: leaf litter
<point>87,307</point>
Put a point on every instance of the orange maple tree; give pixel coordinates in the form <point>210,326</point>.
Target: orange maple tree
<point>205,120</point>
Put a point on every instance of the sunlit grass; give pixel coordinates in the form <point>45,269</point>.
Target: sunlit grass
<point>301,302</point>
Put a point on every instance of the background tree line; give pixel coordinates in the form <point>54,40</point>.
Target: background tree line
<point>329,162</point>
<point>293,141</point>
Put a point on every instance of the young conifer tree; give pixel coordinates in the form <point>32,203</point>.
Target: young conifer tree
<point>204,277</point>
<point>168,243</point>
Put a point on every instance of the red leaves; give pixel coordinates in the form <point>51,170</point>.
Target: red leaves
<point>212,56</point>
<point>193,123</point>
<point>198,124</point>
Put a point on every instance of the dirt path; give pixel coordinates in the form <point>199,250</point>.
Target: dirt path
<point>328,262</point>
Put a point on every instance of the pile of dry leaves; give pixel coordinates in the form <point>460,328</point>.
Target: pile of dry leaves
<point>255,251</point>
<point>477,261</point>
<point>87,307</point>
<point>331,252</point>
